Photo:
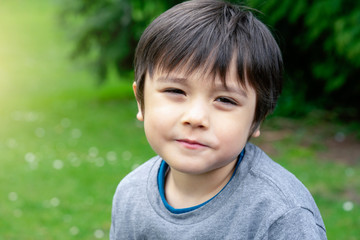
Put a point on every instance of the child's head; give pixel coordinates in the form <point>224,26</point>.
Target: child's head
<point>207,35</point>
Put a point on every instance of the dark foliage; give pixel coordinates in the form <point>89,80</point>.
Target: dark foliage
<point>320,40</point>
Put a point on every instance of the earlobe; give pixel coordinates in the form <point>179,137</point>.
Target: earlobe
<point>256,133</point>
<point>139,114</point>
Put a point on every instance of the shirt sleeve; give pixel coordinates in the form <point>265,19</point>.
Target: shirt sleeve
<point>113,218</point>
<point>298,223</point>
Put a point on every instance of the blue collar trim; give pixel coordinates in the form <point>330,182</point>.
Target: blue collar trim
<point>161,184</point>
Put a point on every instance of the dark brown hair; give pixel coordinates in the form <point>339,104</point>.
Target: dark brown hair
<point>207,34</point>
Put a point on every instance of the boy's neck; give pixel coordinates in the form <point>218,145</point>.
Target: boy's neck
<point>188,190</point>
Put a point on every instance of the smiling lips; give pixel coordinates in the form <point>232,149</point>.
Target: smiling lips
<point>190,144</point>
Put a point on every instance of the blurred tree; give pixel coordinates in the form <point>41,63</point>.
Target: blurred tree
<point>320,40</point>
<point>107,31</point>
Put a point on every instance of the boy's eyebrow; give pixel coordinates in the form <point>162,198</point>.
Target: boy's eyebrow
<point>166,79</point>
<point>236,90</point>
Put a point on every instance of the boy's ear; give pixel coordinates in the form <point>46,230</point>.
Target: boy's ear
<point>139,114</point>
<point>256,133</point>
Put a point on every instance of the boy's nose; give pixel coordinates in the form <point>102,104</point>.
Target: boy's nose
<point>196,115</point>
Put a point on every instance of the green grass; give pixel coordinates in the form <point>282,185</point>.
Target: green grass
<point>65,143</point>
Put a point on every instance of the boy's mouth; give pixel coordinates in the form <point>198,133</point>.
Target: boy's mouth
<point>191,144</point>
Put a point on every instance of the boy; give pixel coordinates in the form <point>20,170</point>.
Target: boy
<point>206,75</point>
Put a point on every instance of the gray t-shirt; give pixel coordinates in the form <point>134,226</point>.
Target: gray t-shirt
<point>262,201</point>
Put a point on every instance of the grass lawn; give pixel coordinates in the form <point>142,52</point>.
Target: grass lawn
<point>65,143</point>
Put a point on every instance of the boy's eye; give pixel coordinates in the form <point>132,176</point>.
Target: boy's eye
<point>174,91</point>
<point>226,100</point>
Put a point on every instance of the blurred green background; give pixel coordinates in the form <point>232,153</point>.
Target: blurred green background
<point>68,132</point>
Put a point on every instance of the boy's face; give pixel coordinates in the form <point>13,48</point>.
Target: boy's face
<point>195,124</point>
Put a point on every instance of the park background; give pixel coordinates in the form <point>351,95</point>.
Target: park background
<point>68,132</point>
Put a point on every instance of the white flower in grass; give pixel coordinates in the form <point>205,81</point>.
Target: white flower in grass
<point>75,162</point>
<point>13,196</point>
<point>93,152</point>
<point>12,143</point>
<point>30,157</point>
<point>31,117</point>
<point>99,162</point>
<point>99,233</point>
<point>76,133</point>
<point>74,230</point>
<point>126,155</point>
<point>348,206</point>
<point>40,132</point>
<point>111,156</point>
<point>55,202</point>
<point>65,122</point>
<point>58,164</point>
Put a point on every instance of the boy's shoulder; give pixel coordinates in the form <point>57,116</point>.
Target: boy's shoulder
<point>140,174</point>
<point>275,178</point>
<point>132,189</point>
<point>274,185</point>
